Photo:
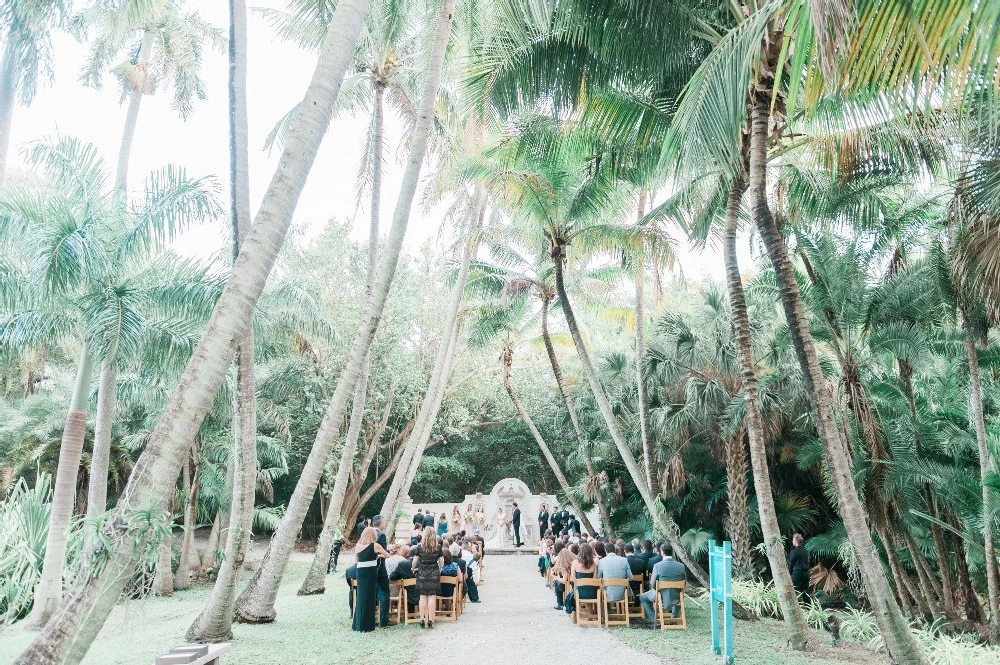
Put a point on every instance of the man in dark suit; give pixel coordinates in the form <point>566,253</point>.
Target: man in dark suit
<point>554,522</point>
<point>428,519</point>
<point>516,524</point>
<point>418,518</point>
<point>655,559</point>
<point>574,526</point>
<point>637,565</point>
<point>668,570</point>
<point>383,576</point>
<point>543,521</point>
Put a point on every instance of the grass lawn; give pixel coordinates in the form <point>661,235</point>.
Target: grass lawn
<point>754,643</point>
<point>310,630</point>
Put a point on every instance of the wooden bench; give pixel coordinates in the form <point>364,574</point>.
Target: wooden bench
<point>194,654</point>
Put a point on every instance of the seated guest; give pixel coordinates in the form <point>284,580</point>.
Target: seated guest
<point>599,550</point>
<point>585,567</point>
<point>637,565</point>
<point>449,569</point>
<point>613,567</point>
<point>574,548</point>
<point>655,559</point>
<point>467,555</point>
<point>396,555</point>
<point>403,570</point>
<point>668,570</point>
<point>561,575</point>
<point>544,550</point>
<point>351,574</point>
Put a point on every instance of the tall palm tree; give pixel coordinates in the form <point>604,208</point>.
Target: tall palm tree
<point>66,638</point>
<point>256,602</point>
<point>214,624</point>
<point>145,45</point>
<point>27,27</point>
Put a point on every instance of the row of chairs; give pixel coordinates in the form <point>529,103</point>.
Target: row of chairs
<point>448,608</point>
<point>601,611</point>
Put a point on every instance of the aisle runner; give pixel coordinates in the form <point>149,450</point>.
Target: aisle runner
<point>515,623</point>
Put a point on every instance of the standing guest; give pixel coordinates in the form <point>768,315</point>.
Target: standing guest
<point>383,577</point>
<point>637,565</point>
<point>667,570</point>
<point>418,518</point>
<point>428,519</point>
<point>442,527</point>
<point>334,555</point>
<point>468,519</point>
<point>427,563</point>
<point>516,524</point>
<point>798,565</point>
<point>555,521</point>
<point>368,552</point>
<point>361,525</point>
<point>613,567</point>
<point>561,574</point>
<point>543,521</point>
<point>456,519</point>
<point>585,567</point>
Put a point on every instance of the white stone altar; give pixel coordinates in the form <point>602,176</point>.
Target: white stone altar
<point>486,514</point>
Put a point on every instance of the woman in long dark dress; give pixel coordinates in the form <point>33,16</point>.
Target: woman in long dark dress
<point>427,567</point>
<point>798,566</point>
<point>367,553</point>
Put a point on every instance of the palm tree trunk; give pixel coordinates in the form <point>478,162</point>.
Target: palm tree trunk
<point>642,397</point>
<point>662,521</point>
<point>737,525</point>
<point>581,440</point>
<point>985,467</point>
<point>107,388</point>
<point>208,557</point>
<point>507,360</point>
<point>895,567</point>
<point>431,404</point>
<point>256,603</point>
<point>182,578</point>
<point>138,84</point>
<point>8,100</point>
<point>164,582</point>
<point>49,591</point>
<point>315,581</point>
<point>900,643</point>
<point>215,623</point>
<point>795,619</point>
<point>66,638</point>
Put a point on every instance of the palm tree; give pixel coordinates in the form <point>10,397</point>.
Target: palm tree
<point>214,624</point>
<point>27,54</point>
<point>66,638</point>
<point>146,44</point>
<point>256,603</point>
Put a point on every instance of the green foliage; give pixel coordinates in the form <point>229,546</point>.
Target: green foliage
<point>24,519</point>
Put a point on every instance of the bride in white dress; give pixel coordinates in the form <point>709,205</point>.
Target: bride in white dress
<point>499,537</point>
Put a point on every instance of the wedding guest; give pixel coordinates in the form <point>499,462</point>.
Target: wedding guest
<point>561,575</point>
<point>449,568</point>
<point>427,565</point>
<point>468,555</point>
<point>378,523</point>
<point>613,567</point>
<point>574,525</point>
<point>637,565</point>
<point>798,565</point>
<point>655,559</point>
<point>334,555</point>
<point>599,550</point>
<point>667,570</point>
<point>416,532</point>
<point>396,556</point>
<point>367,552</point>
<point>404,571</point>
<point>544,554</point>
<point>351,574</point>
<point>585,567</point>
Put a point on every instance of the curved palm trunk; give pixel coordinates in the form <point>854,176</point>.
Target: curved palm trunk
<point>795,619</point>
<point>985,467</point>
<point>215,623</point>
<point>8,99</point>
<point>208,559</point>
<point>662,521</point>
<point>642,396</point>
<point>182,578</point>
<point>256,603</point>
<point>49,591</point>
<point>315,581</point>
<point>417,440</point>
<point>900,643</point>
<point>580,439</point>
<point>507,359</point>
<point>67,637</point>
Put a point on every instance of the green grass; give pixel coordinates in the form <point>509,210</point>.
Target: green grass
<point>753,642</point>
<point>310,630</point>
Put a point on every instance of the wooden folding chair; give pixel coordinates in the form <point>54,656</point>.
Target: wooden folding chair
<point>407,587</point>
<point>664,616</point>
<point>397,603</point>
<point>446,608</point>
<point>641,579</point>
<point>617,612</point>
<point>588,612</point>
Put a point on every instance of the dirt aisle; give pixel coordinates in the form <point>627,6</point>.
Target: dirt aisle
<point>516,623</point>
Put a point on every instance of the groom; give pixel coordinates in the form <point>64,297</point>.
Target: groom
<point>516,523</point>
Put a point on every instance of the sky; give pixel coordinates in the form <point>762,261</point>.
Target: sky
<point>278,76</point>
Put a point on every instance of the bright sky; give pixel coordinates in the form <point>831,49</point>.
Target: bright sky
<point>278,76</point>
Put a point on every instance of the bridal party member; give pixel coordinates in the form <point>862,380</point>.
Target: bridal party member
<point>367,552</point>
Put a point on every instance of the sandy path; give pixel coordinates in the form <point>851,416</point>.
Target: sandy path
<point>516,623</point>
